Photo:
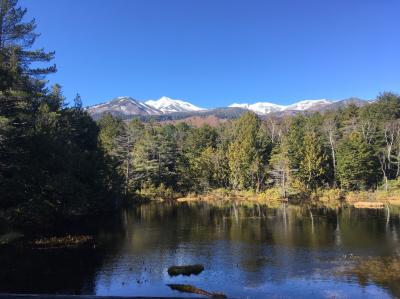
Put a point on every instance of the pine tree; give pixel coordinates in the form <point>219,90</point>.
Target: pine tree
<point>245,153</point>
<point>357,163</point>
<point>78,102</point>
<point>314,162</point>
<point>295,141</point>
<point>16,39</point>
<point>51,165</point>
<point>110,129</point>
<point>280,167</point>
<point>145,160</point>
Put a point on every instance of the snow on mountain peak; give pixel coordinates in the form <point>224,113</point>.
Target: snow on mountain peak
<point>123,106</point>
<point>308,105</point>
<point>126,105</point>
<point>260,107</point>
<point>266,107</point>
<point>168,105</point>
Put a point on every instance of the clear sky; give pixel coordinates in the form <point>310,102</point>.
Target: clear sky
<point>213,52</point>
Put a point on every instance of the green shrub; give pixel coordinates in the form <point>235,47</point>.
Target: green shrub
<point>271,194</point>
<point>158,193</point>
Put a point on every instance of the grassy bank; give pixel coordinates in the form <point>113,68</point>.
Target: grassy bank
<point>272,197</point>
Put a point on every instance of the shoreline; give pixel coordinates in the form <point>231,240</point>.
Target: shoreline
<point>271,197</point>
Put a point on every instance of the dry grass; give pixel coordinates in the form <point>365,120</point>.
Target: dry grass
<point>376,199</point>
<point>271,197</point>
<point>360,196</point>
<point>394,202</point>
<point>331,198</point>
<point>330,195</point>
<point>369,205</point>
<point>188,199</point>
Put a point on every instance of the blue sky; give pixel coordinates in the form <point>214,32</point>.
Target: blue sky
<point>213,53</point>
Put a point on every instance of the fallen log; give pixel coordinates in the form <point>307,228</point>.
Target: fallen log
<point>63,242</point>
<point>186,288</point>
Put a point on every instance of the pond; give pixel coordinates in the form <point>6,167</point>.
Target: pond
<point>247,252</point>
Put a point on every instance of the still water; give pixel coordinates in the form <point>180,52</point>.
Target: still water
<point>247,252</point>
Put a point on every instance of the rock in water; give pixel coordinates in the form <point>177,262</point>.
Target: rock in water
<point>185,270</point>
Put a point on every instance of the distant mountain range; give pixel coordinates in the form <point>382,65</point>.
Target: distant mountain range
<point>169,109</point>
<point>266,107</point>
<point>127,106</point>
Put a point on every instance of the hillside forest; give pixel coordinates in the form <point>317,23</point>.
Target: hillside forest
<point>353,148</point>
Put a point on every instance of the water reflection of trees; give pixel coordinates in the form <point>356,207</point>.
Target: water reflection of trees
<point>287,238</point>
<point>383,271</point>
<point>292,226</point>
<point>250,243</point>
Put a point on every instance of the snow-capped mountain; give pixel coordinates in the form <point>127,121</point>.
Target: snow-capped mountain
<point>266,107</point>
<point>261,107</point>
<point>127,107</point>
<point>309,105</point>
<point>123,106</point>
<point>168,105</point>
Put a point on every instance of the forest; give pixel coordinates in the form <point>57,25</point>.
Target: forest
<point>51,165</point>
<point>57,163</point>
<point>349,149</point>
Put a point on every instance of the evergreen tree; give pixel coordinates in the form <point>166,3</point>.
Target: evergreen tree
<point>295,141</point>
<point>51,167</point>
<point>280,167</point>
<point>16,39</point>
<point>145,159</point>
<point>167,156</point>
<point>357,165</point>
<point>78,102</point>
<point>313,166</point>
<point>110,129</point>
<point>245,153</point>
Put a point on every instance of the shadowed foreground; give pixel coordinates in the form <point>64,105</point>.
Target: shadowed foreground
<point>32,296</point>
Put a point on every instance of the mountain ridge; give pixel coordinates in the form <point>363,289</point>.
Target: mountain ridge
<point>166,108</point>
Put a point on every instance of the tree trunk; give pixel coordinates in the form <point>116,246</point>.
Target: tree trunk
<point>333,157</point>
<point>398,165</point>
<point>382,161</point>
<point>128,162</point>
<point>284,183</point>
<point>386,183</point>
